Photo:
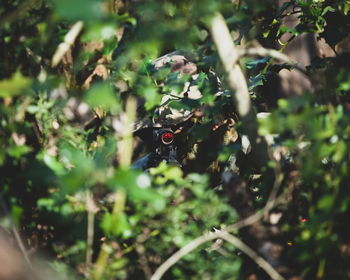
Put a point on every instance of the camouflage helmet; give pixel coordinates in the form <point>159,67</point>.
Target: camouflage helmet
<point>184,64</point>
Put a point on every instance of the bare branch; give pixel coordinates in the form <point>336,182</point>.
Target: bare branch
<point>183,252</point>
<point>273,53</point>
<point>229,56</point>
<point>128,118</point>
<point>140,249</point>
<point>68,42</point>
<point>91,209</point>
<point>252,254</point>
<point>257,216</point>
<point>277,182</point>
<point>212,236</point>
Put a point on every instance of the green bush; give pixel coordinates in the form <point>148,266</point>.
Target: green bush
<point>71,72</point>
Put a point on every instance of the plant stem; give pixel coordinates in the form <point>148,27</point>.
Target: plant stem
<point>90,228</point>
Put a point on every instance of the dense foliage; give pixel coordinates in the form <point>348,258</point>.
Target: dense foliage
<point>76,75</point>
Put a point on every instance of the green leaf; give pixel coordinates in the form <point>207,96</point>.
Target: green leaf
<point>174,83</point>
<point>295,31</point>
<point>16,213</point>
<point>167,172</point>
<point>340,153</point>
<point>346,7</point>
<point>326,10</point>
<point>255,62</point>
<point>125,179</point>
<point>103,95</point>
<point>198,183</point>
<point>19,151</point>
<point>86,10</point>
<point>326,202</point>
<point>47,203</point>
<point>115,224</point>
<point>2,157</point>
<point>82,170</point>
<point>52,163</point>
<point>100,32</point>
<point>255,81</point>
<point>137,185</point>
<point>32,109</point>
<point>16,85</point>
<point>184,103</point>
<point>152,97</point>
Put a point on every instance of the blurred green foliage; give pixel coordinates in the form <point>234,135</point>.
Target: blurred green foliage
<point>50,164</point>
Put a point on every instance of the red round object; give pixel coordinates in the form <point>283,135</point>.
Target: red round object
<point>167,137</point>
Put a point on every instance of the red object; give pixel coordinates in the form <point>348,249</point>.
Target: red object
<point>167,137</point>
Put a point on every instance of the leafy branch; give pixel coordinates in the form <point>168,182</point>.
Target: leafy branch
<point>224,234</point>
<point>229,56</point>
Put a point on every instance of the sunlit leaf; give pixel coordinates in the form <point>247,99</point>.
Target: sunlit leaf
<point>19,151</point>
<point>16,212</point>
<point>103,95</point>
<point>114,225</point>
<point>152,97</point>
<point>16,85</point>
<point>87,10</point>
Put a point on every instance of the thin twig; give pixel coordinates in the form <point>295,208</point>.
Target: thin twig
<point>257,216</point>
<point>212,236</point>
<point>102,259</point>
<point>284,45</point>
<point>126,143</point>
<point>252,254</point>
<point>271,203</point>
<point>140,249</point>
<point>68,42</point>
<point>37,132</point>
<point>183,252</point>
<point>91,209</point>
<point>277,182</point>
<point>273,54</point>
